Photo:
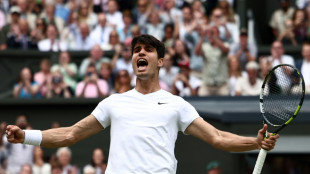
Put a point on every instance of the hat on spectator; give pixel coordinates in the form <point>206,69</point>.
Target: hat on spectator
<point>213,165</point>
<point>184,63</point>
<point>15,9</point>
<point>243,32</point>
<point>252,65</point>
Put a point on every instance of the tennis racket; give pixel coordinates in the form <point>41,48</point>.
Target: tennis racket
<point>281,98</point>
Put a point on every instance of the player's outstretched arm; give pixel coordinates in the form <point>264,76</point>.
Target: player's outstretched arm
<point>59,137</point>
<point>228,141</point>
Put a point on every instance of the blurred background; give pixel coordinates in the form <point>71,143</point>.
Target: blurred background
<point>59,58</point>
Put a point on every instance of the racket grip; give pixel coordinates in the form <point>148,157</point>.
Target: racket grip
<point>260,161</point>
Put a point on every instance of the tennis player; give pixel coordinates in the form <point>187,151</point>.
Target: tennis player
<point>144,122</point>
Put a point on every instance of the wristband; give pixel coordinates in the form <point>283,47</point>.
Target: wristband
<point>33,137</point>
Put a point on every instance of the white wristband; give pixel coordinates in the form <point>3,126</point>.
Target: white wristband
<point>33,137</point>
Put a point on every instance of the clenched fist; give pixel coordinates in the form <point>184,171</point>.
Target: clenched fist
<point>14,134</point>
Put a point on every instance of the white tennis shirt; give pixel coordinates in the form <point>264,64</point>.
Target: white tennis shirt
<point>144,129</point>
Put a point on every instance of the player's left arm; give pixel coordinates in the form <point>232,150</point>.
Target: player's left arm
<point>228,141</point>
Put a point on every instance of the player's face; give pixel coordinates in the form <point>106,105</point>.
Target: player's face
<point>145,61</point>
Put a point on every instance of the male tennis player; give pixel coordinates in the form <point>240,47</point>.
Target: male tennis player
<point>144,122</point>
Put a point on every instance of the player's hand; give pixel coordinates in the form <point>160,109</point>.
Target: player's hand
<point>14,134</point>
<point>268,143</point>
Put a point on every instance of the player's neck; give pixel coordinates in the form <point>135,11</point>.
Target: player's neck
<point>147,86</point>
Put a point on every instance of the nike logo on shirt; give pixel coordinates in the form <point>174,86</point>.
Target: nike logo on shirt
<point>161,103</point>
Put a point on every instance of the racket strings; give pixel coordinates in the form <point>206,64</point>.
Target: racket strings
<point>282,95</point>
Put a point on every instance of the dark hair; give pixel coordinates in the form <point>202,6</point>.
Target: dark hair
<point>149,40</point>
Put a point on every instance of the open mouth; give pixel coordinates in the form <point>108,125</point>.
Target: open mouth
<point>142,64</point>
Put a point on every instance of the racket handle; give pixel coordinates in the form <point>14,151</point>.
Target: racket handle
<point>260,161</point>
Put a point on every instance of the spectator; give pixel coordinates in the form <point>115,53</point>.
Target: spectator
<point>179,52</point>
<point>107,75</point>
<point>114,16</point>
<point>98,162</point>
<point>143,7</point>
<point>58,88</point>
<point>125,32</point>
<point>100,34</point>
<point>214,167</point>
<point>70,33</point>
<point>277,55</point>
<point>122,82</point>
<point>44,76</point>
<point>287,37</point>
<point>85,15</point>
<point>67,69</point>
<point>64,156</point>
<point>228,12</point>
<point>82,38</point>
<point>228,31</point>
<point>185,84</point>
<point>135,31</point>
<point>11,28</point>
<point>172,12</point>
<point>197,8</point>
<point>215,69</point>
<point>3,150</point>
<point>96,57</point>
<point>26,13</point>
<point>52,43</point>
<point>18,154</point>
<point>153,25</point>
<point>61,10</point>
<point>124,62</point>
<point>26,86</point>
<point>250,85</point>
<point>168,72</point>
<point>38,33</point>
<point>304,64</point>
<point>48,14</point>
<point>114,42</point>
<point>39,166</point>
<point>277,21</point>
<point>188,23</point>
<point>26,169</point>
<point>265,67</point>
<point>243,50</point>
<point>300,22</point>
<point>92,86</point>
<point>21,39</point>
<point>235,73</point>
<point>169,35</point>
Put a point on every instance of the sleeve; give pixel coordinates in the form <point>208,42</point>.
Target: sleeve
<point>238,85</point>
<point>101,113</point>
<point>79,89</point>
<point>187,114</point>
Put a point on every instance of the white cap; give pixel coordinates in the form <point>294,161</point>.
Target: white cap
<point>252,65</point>
<point>15,9</point>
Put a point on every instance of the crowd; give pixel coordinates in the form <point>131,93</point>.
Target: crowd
<point>28,159</point>
<point>206,51</point>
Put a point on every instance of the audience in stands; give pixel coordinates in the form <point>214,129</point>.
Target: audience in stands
<point>96,57</point>
<point>243,50</point>
<point>18,154</point>
<point>38,33</point>
<point>85,15</point>
<point>300,24</point>
<point>26,13</point>
<point>57,88</point>
<point>215,68</point>
<point>101,33</point>
<point>114,16</point>
<point>26,87</point>
<point>304,65</point>
<point>125,32</point>
<point>67,68</point>
<point>48,15</point>
<point>114,42</point>
<point>277,21</point>
<point>168,72</point>
<point>107,75</point>
<point>235,72</point>
<point>39,165</point>
<point>21,38</point>
<point>250,85</point>
<point>44,76</point>
<point>26,169</point>
<point>3,150</point>
<point>122,82</point>
<point>185,84</point>
<point>277,55</point>
<point>52,42</point>
<point>179,52</point>
<point>92,86</point>
<point>122,60</point>
<point>64,155</point>
<point>98,162</point>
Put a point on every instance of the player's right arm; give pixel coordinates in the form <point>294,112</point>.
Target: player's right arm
<point>59,137</point>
